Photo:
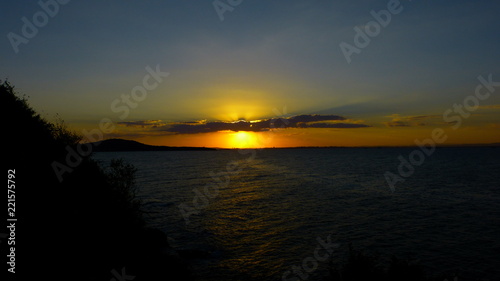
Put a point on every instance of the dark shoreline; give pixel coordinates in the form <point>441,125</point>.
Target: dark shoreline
<point>117,145</point>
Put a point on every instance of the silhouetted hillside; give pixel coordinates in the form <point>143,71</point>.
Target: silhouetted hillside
<point>129,145</point>
<point>75,220</point>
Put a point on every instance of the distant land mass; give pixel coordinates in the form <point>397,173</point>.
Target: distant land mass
<point>129,145</point>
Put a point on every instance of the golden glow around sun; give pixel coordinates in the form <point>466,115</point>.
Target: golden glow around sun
<point>243,140</point>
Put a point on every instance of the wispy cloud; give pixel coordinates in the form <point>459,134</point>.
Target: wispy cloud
<point>397,124</point>
<point>410,121</point>
<point>492,106</point>
<point>143,123</point>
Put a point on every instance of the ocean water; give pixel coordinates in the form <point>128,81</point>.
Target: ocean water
<point>260,212</point>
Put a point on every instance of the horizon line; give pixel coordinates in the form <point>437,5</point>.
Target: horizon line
<point>315,146</point>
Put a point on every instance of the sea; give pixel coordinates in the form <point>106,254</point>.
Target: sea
<point>292,214</point>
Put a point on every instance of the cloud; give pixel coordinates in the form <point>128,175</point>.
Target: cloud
<point>410,121</point>
<point>314,118</point>
<point>299,121</point>
<point>397,124</point>
<point>332,125</point>
<point>421,117</point>
<point>143,123</point>
<point>492,106</point>
<point>209,127</point>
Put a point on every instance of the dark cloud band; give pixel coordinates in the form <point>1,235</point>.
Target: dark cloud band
<point>299,121</point>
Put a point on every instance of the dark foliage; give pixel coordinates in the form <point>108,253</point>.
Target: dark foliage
<point>86,226</point>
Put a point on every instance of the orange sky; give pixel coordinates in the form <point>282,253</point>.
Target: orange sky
<point>261,140</point>
<point>378,134</point>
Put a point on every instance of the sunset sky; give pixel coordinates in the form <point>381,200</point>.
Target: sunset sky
<point>259,73</point>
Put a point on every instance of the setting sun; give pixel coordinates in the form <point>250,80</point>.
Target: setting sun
<point>252,140</point>
<point>243,140</point>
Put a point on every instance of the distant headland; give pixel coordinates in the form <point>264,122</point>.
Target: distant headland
<point>116,145</point>
<point>111,145</point>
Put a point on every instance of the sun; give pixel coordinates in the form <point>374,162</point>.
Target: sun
<point>243,140</point>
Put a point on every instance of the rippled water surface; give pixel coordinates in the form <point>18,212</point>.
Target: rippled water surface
<point>270,206</point>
